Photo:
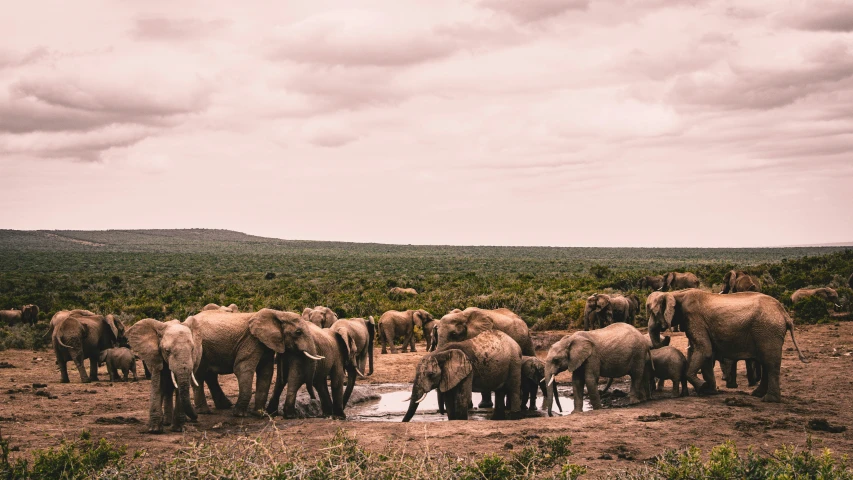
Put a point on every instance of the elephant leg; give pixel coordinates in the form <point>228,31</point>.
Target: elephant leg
<point>675,384</point>
<point>753,372</point>
<point>146,370</point>
<point>696,359</point>
<point>441,399</point>
<point>294,381</point>
<point>771,377</point>
<point>729,367</point>
<point>78,362</point>
<point>155,405</point>
<point>391,342</point>
<point>350,384</point>
<point>447,404</point>
<point>337,381</point>
<point>382,340</point>
<point>272,405</point>
<point>322,387</point>
<point>577,389</point>
<point>199,401</point>
<point>591,382</point>
<point>63,372</point>
<point>486,400</point>
<point>93,369</point>
<point>168,392</point>
<point>660,385</point>
<point>263,379</point>
<point>244,385</point>
<point>220,401</point>
<point>500,405</point>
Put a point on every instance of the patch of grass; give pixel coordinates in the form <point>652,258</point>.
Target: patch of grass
<point>29,337</point>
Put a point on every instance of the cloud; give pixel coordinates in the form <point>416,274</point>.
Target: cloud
<point>534,10</point>
<point>174,29</point>
<point>833,16</point>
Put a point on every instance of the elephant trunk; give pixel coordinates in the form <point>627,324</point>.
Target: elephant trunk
<point>184,398</point>
<point>413,403</point>
<point>551,389</point>
<point>654,335</point>
<point>371,330</point>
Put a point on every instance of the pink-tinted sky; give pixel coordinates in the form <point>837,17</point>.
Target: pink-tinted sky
<point>504,122</point>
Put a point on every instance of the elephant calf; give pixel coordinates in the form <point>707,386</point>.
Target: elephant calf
<point>532,379</point>
<point>670,364</point>
<point>120,358</point>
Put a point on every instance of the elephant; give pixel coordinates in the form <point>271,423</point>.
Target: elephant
<point>119,358</point>
<point>402,291</point>
<point>212,306</point>
<point>11,317</point>
<point>490,361</point>
<point>431,335</point>
<point>532,379</point>
<point>244,344</point>
<point>738,326</point>
<point>614,351</point>
<point>729,369</point>
<point>603,309</point>
<point>654,282</point>
<point>679,281</point>
<point>633,307</point>
<point>460,325</point>
<point>30,314</point>
<point>670,364</point>
<point>355,337</point>
<point>739,281</point>
<point>76,338</point>
<point>311,355</point>
<point>323,317</point>
<point>172,350</point>
<point>393,324</point>
<point>826,293</point>
<point>61,315</point>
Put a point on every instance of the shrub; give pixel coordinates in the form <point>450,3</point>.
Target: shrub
<point>811,310</point>
<point>71,460</point>
<point>26,337</point>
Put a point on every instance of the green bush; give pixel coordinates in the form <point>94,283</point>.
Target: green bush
<point>29,337</point>
<point>71,460</point>
<point>811,310</point>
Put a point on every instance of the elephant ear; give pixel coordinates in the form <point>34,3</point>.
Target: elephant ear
<point>195,327</point>
<point>417,318</point>
<point>479,321</point>
<point>370,320</point>
<point>669,312</point>
<point>266,327</point>
<point>528,368</point>
<point>306,314</point>
<point>330,317</point>
<point>111,321</point>
<point>579,350</point>
<point>455,367</point>
<point>346,345</point>
<point>144,339</point>
<point>728,281</point>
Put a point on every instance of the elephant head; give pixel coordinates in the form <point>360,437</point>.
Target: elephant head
<point>533,369</point>
<point>668,278</point>
<point>661,308</point>
<point>170,346</point>
<point>233,308</point>
<point>348,349</point>
<point>210,306</point>
<point>30,314</point>
<point>323,317</point>
<point>738,281</point>
<point>443,370</point>
<point>464,324</point>
<point>598,305</point>
<point>828,294</point>
<point>113,334</point>
<point>421,317</point>
<point>296,331</point>
<point>567,354</point>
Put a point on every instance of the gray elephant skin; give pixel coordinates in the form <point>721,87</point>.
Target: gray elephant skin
<point>323,317</point>
<point>602,309</point>
<point>532,380</point>
<point>311,356</point>
<point>30,314</point>
<point>679,281</point>
<point>654,282</point>
<point>76,338</point>
<point>119,359</point>
<point>739,281</point>
<point>733,282</point>
<point>394,324</point>
<point>738,326</point>
<point>11,317</point>
<point>355,338</point>
<point>826,293</point>
<point>613,351</point>
<point>172,350</point>
<point>488,362</point>
<point>670,364</point>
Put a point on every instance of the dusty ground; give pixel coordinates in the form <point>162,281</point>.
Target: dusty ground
<point>820,389</point>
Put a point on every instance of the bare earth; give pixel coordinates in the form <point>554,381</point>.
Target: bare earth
<point>820,389</point>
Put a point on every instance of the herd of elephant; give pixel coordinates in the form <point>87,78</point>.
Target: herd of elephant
<point>470,350</point>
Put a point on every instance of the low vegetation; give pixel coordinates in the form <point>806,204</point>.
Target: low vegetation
<point>173,273</point>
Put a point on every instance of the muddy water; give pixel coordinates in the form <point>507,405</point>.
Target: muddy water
<point>393,403</point>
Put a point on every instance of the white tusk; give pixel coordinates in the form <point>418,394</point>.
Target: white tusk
<point>195,382</point>
<point>552,380</point>
<point>359,372</point>
<point>422,398</point>
<point>837,305</point>
<point>406,400</point>
<point>174,381</point>
<point>312,357</point>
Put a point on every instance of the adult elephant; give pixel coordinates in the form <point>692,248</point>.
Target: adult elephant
<point>431,334</point>
<point>613,351</point>
<point>654,282</point>
<point>79,337</point>
<point>62,315</point>
<point>487,362</point>
<point>311,356</point>
<point>739,281</point>
<point>323,317</point>
<point>398,291</point>
<point>30,314</point>
<point>394,324</point>
<point>10,317</point>
<point>602,309</point>
<point>355,338</point>
<point>212,306</point>
<point>243,344</point>
<point>679,281</point>
<point>172,350</point>
<point>739,326</point>
<point>459,325</point>
<point>826,293</point>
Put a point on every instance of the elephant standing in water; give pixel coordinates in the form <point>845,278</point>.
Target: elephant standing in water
<point>489,362</point>
<point>323,317</point>
<point>739,326</point>
<point>613,351</point>
<point>602,309</point>
<point>679,281</point>
<point>461,325</point>
<point>739,281</point>
<point>173,351</point>
<point>355,338</point>
<point>76,338</point>
<point>393,324</point>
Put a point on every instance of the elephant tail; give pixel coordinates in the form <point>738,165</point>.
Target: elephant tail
<point>789,325</point>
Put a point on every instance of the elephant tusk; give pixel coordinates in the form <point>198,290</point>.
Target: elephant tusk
<point>174,380</point>
<point>359,372</point>
<point>406,400</point>
<point>837,305</point>
<point>552,380</point>
<point>195,382</point>
<point>312,357</point>
<point>422,398</point>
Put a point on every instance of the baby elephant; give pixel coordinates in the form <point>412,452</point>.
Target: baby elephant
<point>670,364</point>
<point>119,359</point>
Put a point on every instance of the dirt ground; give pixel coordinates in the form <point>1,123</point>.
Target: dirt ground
<point>604,441</point>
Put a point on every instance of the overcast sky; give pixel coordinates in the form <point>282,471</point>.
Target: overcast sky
<point>500,122</point>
